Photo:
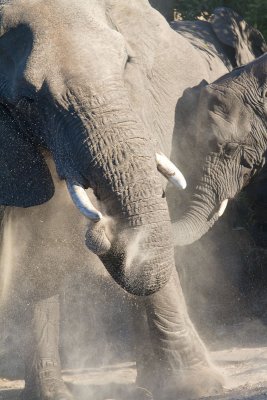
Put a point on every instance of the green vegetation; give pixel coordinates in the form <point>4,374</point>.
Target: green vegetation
<point>254,11</point>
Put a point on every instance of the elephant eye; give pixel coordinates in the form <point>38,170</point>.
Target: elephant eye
<point>264,93</point>
<point>214,145</point>
<point>246,177</point>
<point>230,149</point>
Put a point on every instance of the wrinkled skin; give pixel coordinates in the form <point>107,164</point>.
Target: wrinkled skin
<point>79,98</point>
<point>232,116</point>
<point>225,38</point>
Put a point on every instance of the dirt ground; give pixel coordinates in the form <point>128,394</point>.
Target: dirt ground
<point>244,369</point>
<point>224,281</point>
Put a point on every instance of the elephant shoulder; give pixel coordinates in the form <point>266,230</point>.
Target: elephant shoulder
<point>202,37</point>
<point>242,41</point>
<point>194,30</point>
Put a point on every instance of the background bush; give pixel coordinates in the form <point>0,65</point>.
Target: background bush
<point>254,11</point>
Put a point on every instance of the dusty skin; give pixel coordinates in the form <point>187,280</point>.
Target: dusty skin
<point>85,94</point>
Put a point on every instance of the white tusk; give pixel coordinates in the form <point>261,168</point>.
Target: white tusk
<point>170,171</point>
<point>222,207</point>
<point>82,201</point>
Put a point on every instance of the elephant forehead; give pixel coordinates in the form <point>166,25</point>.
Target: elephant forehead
<point>49,12</point>
<point>62,23</point>
<point>66,39</point>
<point>222,114</point>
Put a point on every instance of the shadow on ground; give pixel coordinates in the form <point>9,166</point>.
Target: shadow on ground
<point>9,394</point>
<point>127,392</point>
<point>92,392</point>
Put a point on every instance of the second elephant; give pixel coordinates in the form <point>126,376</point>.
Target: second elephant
<point>232,121</point>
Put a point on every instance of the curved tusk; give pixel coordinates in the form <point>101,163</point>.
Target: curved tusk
<point>222,207</point>
<point>82,201</point>
<point>170,171</point>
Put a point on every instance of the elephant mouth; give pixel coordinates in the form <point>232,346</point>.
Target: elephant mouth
<point>139,259</point>
<point>132,239</point>
<point>100,234</point>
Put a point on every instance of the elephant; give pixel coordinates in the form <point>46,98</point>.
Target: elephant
<point>231,117</point>
<point>94,87</point>
<point>245,222</point>
<point>226,36</point>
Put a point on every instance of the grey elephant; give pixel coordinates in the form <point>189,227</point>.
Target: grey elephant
<point>226,38</point>
<point>232,120</point>
<point>226,35</point>
<point>71,82</point>
<point>232,139</point>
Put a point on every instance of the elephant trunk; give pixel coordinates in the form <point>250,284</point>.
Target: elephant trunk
<point>113,155</point>
<point>201,214</point>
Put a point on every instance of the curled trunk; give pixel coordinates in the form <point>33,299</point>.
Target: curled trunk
<point>114,156</point>
<point>199,218</point>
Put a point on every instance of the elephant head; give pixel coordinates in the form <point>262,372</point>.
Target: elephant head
<point>66,86</point>
<point>232,117</point>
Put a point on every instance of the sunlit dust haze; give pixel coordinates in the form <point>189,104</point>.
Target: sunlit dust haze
<point>7,254</point>
<point>135,252</point>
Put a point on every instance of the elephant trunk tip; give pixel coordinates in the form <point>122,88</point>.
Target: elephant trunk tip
<point>98,237</point>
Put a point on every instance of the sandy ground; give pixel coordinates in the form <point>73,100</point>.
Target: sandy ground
<point>245,371</point>
<point>94,316</point>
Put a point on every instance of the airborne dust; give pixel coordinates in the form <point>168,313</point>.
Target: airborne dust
<point>96,331</point>
<point>46,243</point>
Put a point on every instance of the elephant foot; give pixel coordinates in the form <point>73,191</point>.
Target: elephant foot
<point>53,390</point>
<point>139,393</point>
<point>46,383</point>
<point>142,394</point>
<point>191,383</point>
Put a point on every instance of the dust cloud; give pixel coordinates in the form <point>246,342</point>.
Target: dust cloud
<point>44,247</point>
<point>135,253</point>
<point>46,244</point>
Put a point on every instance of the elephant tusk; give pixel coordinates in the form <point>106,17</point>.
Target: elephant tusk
<point>170,171</point>
<point>82,201</point>
<point>222,207</point>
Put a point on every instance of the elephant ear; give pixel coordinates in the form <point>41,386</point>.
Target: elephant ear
<point>233,31</point>
<point>186,112</point>
<point>25,179</point>
<point>184,143</point>
<point>130,18</point>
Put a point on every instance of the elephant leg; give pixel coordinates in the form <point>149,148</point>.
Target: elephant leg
<point>180,362</point>
<point>144,352</point>
<point>43,379</point>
